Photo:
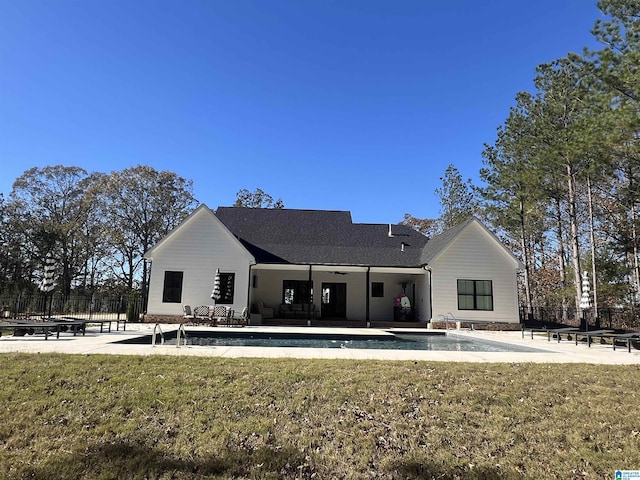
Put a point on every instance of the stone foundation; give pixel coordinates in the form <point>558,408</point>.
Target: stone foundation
<point>510,327</point>
<point>163,319</point>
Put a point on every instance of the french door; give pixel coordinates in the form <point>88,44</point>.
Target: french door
<point>334,300</point>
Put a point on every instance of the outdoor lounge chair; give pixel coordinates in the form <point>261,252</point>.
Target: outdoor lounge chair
<point>591,334</point>
<point>551,331</point>
<point>94,321</point>
<point>627,338</point>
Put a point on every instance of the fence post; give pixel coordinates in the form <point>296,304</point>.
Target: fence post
<point>119,306</point>
<point>17,305</point>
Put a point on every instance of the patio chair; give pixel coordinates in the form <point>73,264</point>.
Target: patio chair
<point>221,315</point>
<point>201,313</point>
<point>241,320</point>
<point>187,313</point>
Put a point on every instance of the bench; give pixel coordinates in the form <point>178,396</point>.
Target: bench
<point>627,338</point>
<point>593,333</point>
<point>46,327</point>
<point>100,322</point>
<point>550,331</point>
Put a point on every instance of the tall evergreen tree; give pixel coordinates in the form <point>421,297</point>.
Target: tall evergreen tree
<point>512,192</point>
<point>457,199</point>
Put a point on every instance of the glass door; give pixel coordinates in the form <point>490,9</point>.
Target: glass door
<point>334,300</point>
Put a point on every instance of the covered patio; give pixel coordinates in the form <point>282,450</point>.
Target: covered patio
<point>337,295</point>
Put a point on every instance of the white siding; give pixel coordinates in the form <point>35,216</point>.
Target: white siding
<point>475,255</point>
<point>197,248</point>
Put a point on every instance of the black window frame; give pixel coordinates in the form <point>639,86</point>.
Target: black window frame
<point>377,289</point>
<point>172,286</point>
<point>475,294</point>
<point>227,288</point>
<point>302,292</point>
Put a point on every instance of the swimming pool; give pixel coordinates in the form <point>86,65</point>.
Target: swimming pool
<point>438,341</point>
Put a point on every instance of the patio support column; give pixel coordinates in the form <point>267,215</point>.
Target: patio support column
<point>250,285</point>
<point>430,294</point>
<point>368,294</point>
<point>414,309</point>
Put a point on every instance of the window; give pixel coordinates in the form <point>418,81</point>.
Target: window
<point>377,289</point>
<point>297,291</point>
<point>172,290</point>
<point>227,284</point>
<point>475,295</point>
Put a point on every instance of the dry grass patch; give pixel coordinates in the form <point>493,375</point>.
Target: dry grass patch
<point>107,417</point>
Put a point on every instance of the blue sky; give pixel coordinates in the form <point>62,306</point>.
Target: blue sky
<point>345,105</point>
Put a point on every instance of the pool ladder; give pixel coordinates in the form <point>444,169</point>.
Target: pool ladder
<point>157,330</point>
<point>446,318</point>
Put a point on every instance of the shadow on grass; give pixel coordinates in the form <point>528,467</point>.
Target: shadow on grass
<point>127,460</point>
<point>424,470</point>
<point>130,460</point>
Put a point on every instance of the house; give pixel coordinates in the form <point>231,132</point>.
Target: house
<point>315,265</point>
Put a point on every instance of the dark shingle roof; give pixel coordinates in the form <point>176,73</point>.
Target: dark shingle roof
<point>321,237</point>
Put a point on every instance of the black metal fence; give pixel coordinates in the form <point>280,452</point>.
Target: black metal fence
<point>132,307</point>
<point>624,318</point>
<point>121,307</point>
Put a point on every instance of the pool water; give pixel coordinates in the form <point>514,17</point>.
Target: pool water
<point>397,341</point>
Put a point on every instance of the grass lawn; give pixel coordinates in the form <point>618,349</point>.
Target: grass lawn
<point>120,417</point>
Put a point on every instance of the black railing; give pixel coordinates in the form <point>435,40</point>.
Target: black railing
<point>121,307</point>
<point>623,318</point>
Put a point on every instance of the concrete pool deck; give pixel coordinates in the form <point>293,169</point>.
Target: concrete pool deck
<point>95,342</point>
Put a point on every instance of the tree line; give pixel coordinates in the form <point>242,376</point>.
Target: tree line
<point>562,175</point>
<point>561,180</point>
<point>95,226</point>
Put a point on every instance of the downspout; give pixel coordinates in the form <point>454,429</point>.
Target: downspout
<point>310,299</point>
<point>145,294</point>
<point>368,296</point>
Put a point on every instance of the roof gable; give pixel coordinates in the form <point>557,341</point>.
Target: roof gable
<point>200,211</point>
<point>439,243</point>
